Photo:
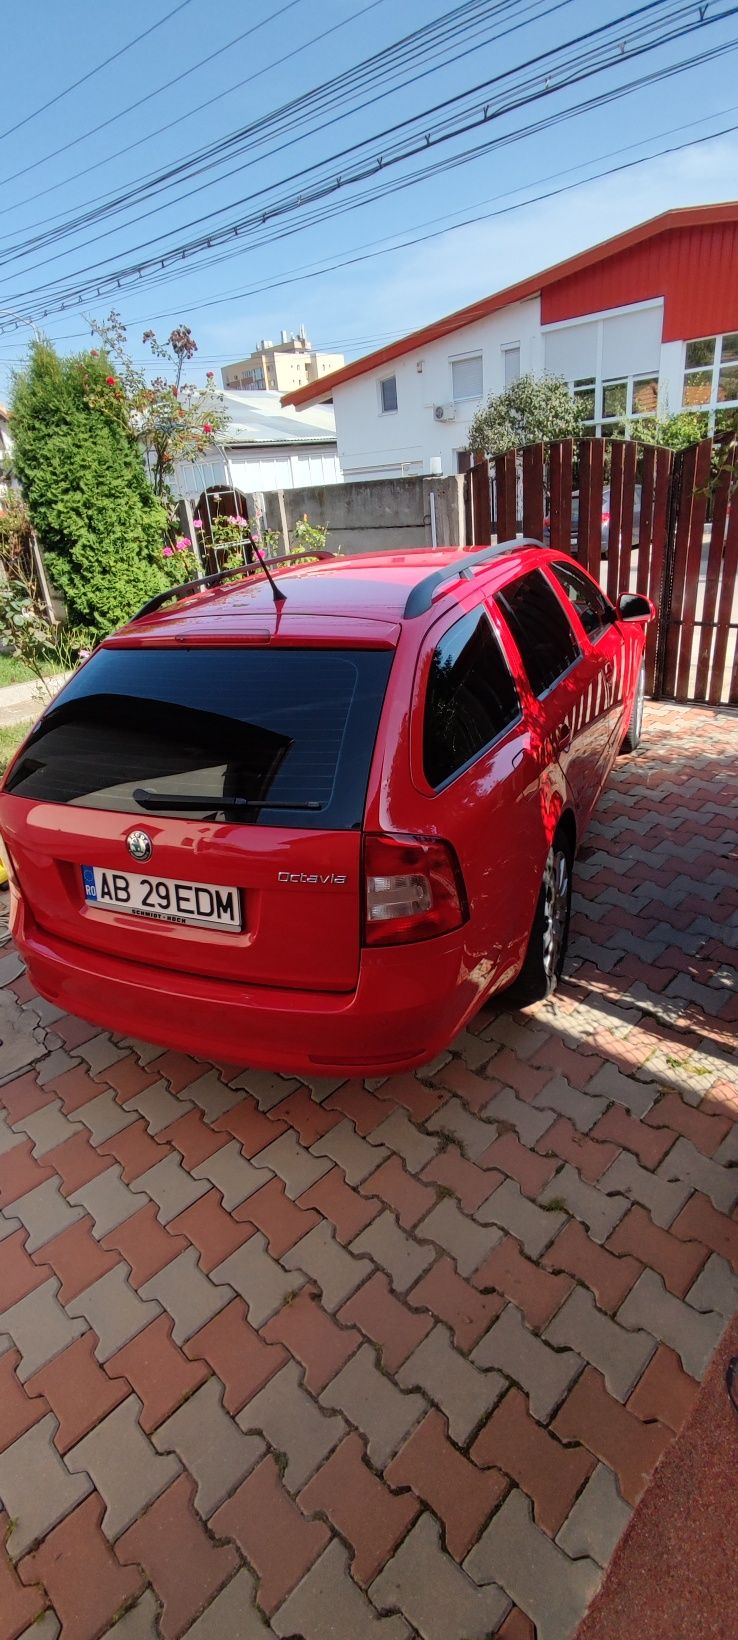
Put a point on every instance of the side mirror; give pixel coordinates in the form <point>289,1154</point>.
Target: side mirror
<point>635,606</point>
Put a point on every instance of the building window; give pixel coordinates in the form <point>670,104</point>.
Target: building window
<point>511,363</point>
<point>466,378</point>
<point>388,395</point>
<point>613,409</point>
<point>711,375</point>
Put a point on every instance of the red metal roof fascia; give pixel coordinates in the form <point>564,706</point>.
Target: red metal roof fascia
<point>690,216</point>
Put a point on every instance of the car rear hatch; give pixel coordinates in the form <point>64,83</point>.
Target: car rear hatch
<point>200,809</point>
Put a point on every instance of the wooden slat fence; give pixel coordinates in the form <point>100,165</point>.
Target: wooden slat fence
<point>639,518</point>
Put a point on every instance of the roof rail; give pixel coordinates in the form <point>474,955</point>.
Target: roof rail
<point>420,598</point>
<point>204,582</point>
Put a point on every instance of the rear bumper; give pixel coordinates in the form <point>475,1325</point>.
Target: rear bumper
<point>409,1003</point>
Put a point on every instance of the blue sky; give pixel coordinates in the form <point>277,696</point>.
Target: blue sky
<point>357,306</point>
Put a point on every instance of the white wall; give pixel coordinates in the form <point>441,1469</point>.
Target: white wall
<point>259,468</point>
<point>376,445</point>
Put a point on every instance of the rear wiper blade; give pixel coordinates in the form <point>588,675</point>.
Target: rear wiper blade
<point>160,800</point>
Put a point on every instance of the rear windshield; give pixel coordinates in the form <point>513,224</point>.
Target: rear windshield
<point>260,737</point>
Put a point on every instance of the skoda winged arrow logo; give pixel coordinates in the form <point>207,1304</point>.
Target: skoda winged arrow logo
<point>139,844</point>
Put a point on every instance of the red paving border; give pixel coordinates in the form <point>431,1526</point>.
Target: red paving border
<point>396,1359</point>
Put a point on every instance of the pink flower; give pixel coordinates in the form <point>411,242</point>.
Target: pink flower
<point>182,543</point>
<point>84,654</point>
<point>93,355</point>
<point>211,374</point>
<point>167,552</point>
<point>197,523</point>
<point>207,427</point>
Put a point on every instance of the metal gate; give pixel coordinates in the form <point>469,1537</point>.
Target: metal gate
<point>640,518</point>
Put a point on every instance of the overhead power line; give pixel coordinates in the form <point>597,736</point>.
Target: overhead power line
<point>91,72</point>
<point>57,295</point>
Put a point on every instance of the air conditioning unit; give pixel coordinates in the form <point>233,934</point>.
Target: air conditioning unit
<point>444,412</point>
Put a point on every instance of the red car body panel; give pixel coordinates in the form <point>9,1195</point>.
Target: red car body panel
<point>298,989</point>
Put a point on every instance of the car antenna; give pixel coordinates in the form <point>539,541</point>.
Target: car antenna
<point>278,595</point>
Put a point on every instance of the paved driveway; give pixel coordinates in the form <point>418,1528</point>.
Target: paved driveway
<point>391,1359</point>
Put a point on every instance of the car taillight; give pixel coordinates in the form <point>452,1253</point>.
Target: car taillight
<point>413,889</point>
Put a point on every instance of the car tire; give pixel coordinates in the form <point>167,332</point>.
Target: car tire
<point>546,953</point>
<point>632,734</point>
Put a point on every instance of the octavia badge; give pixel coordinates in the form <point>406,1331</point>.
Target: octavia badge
<point>139,844</point>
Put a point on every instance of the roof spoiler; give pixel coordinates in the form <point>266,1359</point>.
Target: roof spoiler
<point>421,597</point>
<point>204,582</point>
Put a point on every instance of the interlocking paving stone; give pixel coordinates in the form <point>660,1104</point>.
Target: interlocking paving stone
<point>139,1622</point>
<point>210,1445</point>
<point>612,1085</point>
<point>114,1310</point>
<point>408,1141</point>
<point>327,1605</point>
<point>546,1374</point>
<point>337,1271</point>
<point>234,1176</point>
<point>265,1087</point>
<point>271,1533</point>
<point>242,1358</point>
<point>468,1243</point>
<point>293,1425</point>
<point>537,1293</point>
<point>354,1155</point>
<point>549,1472</point>
<point>583,1109</point>
<point>187,1569</point>
<point>621,1355</point>
<point>587,1202</point>
<point>435,1595</point>
<point>360,1507</point>
<point>125,1469</point>
<point>395,1252</point>
<point>39,1328</point>
<point>599,1517</point>
<point>46,1128</point>
<point>471,1135</point>
<point>232,1615</point>
<point>212,1096</point>
<point>296,1166</point>
<point>370,1400</point>
<point>86,1600</point>
<point>554,1590</point>
<point>716,1288</point>
<point>529,1124</point>
<point>663,1200</point>
<point>99,1052</point>
<point>77,1390</point>
<point>462,1392</point>
<point>458,1492</point>
<point>690,1332</point>
<point>190,1299</point>
<point>685,1163</point>
<point>36,1487</point>
<point>44,1213</point>
<point>104,1117</point>
<point>158,1107</point>
<point>312,1337</point>
<point>170,1187</point>
<point>531,1226</point>
<point>108,1200</point>
<point>385,1319</point>
<point>261,1281</point>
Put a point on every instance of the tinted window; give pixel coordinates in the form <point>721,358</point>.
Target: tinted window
<point>471,698</point>
<point>540,628</point>
<point>595,611</point>
<point>388,391</point>
<point>281,730</point>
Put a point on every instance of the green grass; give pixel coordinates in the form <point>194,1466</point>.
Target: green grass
<point>15,671</point>
<point>11,735</point>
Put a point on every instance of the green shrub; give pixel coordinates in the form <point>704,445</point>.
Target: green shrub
<point>96,517</point>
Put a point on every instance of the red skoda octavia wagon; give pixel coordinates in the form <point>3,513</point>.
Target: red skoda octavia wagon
<point>313,818</point>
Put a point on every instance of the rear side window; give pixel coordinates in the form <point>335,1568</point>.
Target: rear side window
<point>540,628</point>
<point>470,700</point>
<point>595,611</point>
<point>263,737</point>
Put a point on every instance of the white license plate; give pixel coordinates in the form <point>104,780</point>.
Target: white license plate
<point>163,899</point>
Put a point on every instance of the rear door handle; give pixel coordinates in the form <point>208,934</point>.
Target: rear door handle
<point>562,738</point>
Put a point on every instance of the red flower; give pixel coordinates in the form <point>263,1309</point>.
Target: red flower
<point>207,427</point>
<point>110,381</point>
<point>94,353</point>
<point>211,374</point>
